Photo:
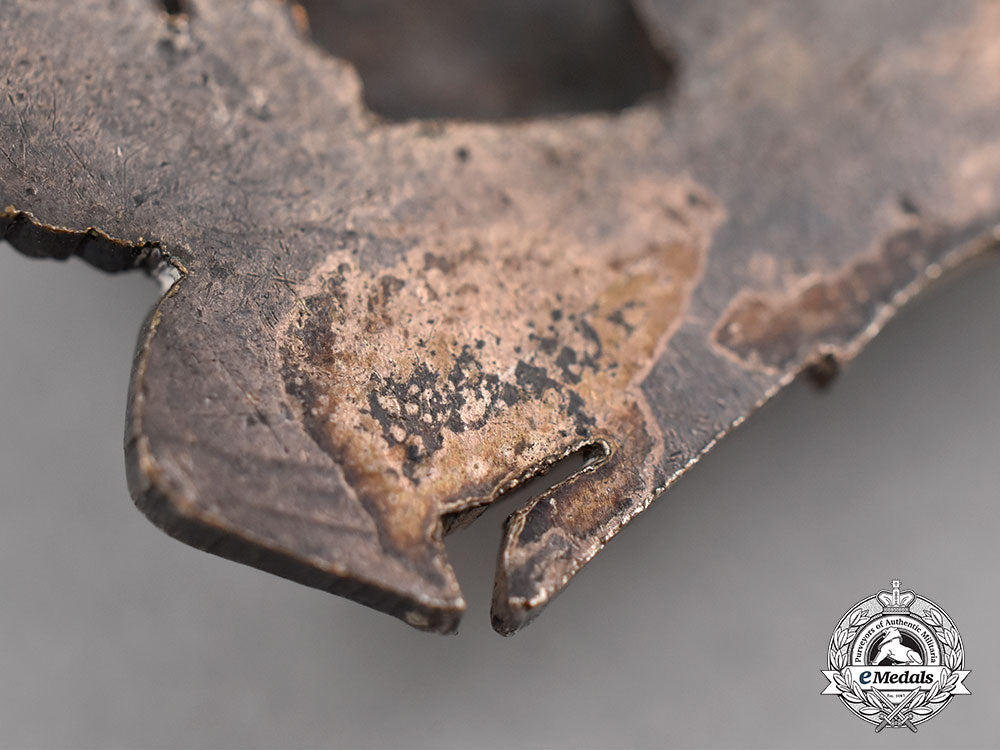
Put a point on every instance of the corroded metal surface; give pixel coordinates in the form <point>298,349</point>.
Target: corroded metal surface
<point>378,329</point>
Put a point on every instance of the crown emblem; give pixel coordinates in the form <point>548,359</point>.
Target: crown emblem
<point>896,602</point>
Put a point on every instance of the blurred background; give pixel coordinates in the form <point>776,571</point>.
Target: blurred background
<point>704,624</point>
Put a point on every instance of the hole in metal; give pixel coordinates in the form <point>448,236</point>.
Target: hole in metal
<point>174,7</point>
<point>492,59</point>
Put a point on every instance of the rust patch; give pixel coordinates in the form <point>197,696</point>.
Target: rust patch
<point>485,354</point>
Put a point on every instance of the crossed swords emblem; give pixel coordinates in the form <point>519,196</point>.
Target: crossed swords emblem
<point>896,715</point>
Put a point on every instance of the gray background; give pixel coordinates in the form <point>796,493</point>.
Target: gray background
<point>704,624</point>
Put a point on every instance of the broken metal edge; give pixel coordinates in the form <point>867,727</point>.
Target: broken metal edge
<point>176,515</point>
<point>38,239</point>
<point>164,505</point>
<point>167,507</point>
<point>509,613</point>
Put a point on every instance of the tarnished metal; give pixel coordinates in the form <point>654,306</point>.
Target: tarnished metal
<point>380,328</point>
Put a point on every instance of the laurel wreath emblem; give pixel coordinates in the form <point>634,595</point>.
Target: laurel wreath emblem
<point>869,703</point>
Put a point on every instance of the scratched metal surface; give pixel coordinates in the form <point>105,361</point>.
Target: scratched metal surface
<point>380,326</point>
